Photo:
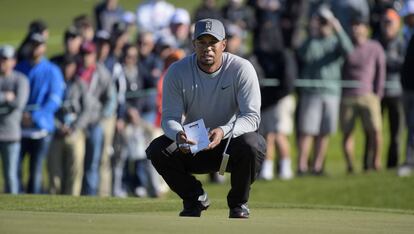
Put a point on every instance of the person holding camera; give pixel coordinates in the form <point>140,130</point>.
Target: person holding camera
<point>322,56</point>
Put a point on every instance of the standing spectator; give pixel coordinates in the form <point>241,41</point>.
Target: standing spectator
<point>107,57</point>
<point>46,91</point>
<point>293,22</point>
<point>36,26</point>
<point>99,83</point>
<point>84,25</point>
<point>72,41</point>
<point>180,29</point>
<point>150,68</point>
<point>407,13</point>
<point>67,150</point>
<point>14,91</point>
<point>107,13</point>
<point>236,12</point>
<point>267,36</point>
<point>154,16</point>
<point>346,10</point>
<point>207,9</point>
<point>407,75</point>
<point>321,58</point>
<point>365,68</point>
<point>393,44</point>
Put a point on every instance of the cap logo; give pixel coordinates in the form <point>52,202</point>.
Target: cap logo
<point>209,25</point>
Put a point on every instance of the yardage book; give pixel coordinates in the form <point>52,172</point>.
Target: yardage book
<point>197,132</point>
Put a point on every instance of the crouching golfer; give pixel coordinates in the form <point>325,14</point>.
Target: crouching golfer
<point>223,90</point>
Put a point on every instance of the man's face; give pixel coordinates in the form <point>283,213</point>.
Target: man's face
<point>209,50</point>
<point>7,65</point>
<point>39,50</point>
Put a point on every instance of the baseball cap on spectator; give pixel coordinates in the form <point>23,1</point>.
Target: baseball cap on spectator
<point>180,16</point>
<point>359,19</point>
<point>233,30</point>
<point>211,27</point>
<point>71,32</point>
<point>165,41</point>
<point>7,52</point>
<point>392,15</point>
<point>37,26</point>
<point>88,47</point>
<point>37,39</point>
<point>408,8</point>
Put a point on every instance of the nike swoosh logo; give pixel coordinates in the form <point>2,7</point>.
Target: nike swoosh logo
<point>225,87</point>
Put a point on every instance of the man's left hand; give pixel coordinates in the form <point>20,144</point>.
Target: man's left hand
<point>215,136</point>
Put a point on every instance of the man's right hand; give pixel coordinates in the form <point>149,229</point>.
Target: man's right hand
<point>183,143</point>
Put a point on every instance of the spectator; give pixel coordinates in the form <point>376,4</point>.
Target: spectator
<point>114,117</point>
<point>13,97</point>
<point>346,10</point>
<point>72,41</point>
<point>407,13</point>
<point>267,36</point>
<point>364,69</point>
<point>46,91</point>
<point>235,12</point>
<point>293,22</point>
<point>180,29</point>
<point>84,25</point>
<point>107,13</point>
<point>207,9</point>
<point>99,83</point>
<point>407,74</point>
<point>36,26</point>
<point>67,150</point>
<point>393,44</point>
<point>378,8</point>
<point>321,59</point>
<point>150,68</point>
<point>154,16</point>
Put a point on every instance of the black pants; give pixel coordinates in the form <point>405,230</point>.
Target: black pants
<point>395,109</point>
<point>246,155</point>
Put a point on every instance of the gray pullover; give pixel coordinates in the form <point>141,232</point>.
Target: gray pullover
<point>227,97</point>
<point>11,112</point>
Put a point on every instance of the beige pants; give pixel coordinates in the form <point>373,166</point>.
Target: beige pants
<point>65,164</point>
<point>105,173</point>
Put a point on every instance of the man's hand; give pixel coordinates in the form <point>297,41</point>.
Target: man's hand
<point>183,143</point>
<point>215,136</point>
<point>9,96</point>
<point>27,120</point>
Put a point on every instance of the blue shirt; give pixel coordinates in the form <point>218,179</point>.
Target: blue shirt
<point>46,92</point>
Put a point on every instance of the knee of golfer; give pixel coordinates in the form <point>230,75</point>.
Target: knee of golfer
<point>247,144</point>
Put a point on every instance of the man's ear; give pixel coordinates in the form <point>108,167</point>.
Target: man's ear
<point>224,44</point>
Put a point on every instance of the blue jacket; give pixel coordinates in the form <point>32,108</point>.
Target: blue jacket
<point>46,92</point>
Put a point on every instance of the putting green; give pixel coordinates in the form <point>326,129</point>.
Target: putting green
<point>279,220</point>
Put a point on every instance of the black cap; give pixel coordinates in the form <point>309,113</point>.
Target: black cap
<point>358,18</point>
<point>37,26</point>
<point>71,32</point>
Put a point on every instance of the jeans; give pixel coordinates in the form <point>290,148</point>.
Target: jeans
<point>9,152</point>
<point>94,144</point>
<point>38,150</point>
